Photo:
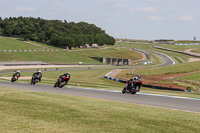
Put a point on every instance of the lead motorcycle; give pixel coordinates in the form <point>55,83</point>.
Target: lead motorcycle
<point>132,86</point>
<point>14,78</point>
<point>61,81</point>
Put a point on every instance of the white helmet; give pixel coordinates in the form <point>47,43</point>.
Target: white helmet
<point>39,71</point>
<point>18,71</point>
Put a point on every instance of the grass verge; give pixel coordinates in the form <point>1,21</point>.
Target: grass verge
<point>26,111</point>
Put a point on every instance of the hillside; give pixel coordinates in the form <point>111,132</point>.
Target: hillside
<point>13,49</point>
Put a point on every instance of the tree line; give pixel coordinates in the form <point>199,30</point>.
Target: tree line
<point>55,32</point>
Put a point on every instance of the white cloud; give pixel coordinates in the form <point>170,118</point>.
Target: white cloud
<point>146,9</point>
<point>25,9</point>
<point>155,18</point>
<point>186,18</point>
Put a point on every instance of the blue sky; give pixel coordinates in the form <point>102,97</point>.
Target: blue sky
<point>132,19</point>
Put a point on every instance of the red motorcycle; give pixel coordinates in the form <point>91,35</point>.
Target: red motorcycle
<point>132,86</point>
<point>14,78</point>
<point>61,81</point>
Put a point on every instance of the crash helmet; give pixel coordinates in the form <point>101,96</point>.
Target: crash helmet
<point>18,71</point>
<point>138,76</point>
<point>68,72</point>
<point>39,71</point>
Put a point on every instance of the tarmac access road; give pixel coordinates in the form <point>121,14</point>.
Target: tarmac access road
<point>169,102</point>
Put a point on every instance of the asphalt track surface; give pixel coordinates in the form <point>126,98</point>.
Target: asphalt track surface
<point>175,103</point>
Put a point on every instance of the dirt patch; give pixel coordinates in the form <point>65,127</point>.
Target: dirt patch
<point>189,50</point>
<point>151,79</point>
<point>193,59</point>
<point>35,44</point>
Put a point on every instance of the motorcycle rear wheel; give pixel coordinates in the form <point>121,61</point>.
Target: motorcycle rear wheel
<point>12,80</point>
<point>124,90</point>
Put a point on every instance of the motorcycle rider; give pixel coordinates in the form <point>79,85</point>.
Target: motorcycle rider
<point>137,78</point>
<point>37,75</point>
<point>67,75</point>
<point>17,73</point>
<point>130,83</point>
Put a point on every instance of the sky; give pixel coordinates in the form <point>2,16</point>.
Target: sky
<point>129,19</point>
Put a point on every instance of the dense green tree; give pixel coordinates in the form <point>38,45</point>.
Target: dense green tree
<point>55,32</point>
<point>8,30</point>
<point>1,31</point>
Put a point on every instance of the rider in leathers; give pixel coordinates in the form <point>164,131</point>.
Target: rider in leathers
<point>17,73</point>
<point>136,78</point>
<point>65,75</point>
<point>38,76</point>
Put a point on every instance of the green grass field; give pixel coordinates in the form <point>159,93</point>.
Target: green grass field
<point>58,57</point>
<point>111,53</point>
<point>26,111</point>
<point>197,50</point>
<point>179,47</point>
<point>194,76</point>
<point>7,43</point>
<point>179,68</point>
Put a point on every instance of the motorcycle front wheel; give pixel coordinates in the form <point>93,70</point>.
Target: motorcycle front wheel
<point>133,90</point>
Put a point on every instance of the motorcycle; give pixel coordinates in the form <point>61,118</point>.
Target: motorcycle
<point>35,79</point>
<point>61,81</point>
<point>133,86</point>
<point>14,78</point>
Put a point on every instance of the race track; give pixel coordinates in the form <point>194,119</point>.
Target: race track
<point>184,104</point>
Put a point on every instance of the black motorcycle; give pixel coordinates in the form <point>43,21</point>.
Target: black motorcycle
<point>35,79</point>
